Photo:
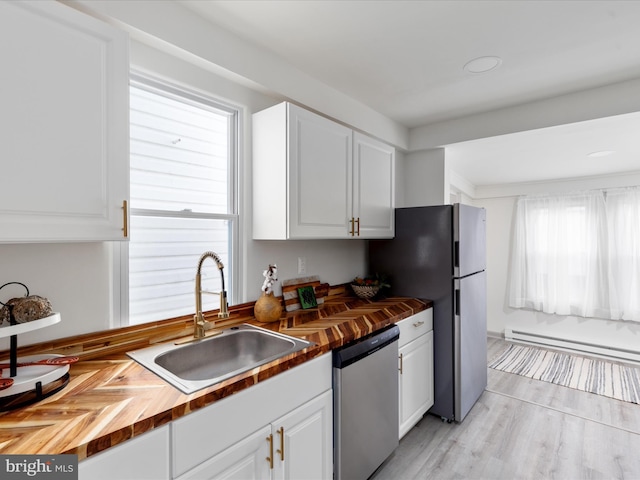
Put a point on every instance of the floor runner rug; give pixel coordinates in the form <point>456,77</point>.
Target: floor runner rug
<point>587,374</point>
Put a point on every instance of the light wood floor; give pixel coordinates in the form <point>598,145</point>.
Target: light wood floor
<point>524,429</point>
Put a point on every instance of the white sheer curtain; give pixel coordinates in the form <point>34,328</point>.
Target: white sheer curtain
<point>559,255</point>
<point>623,214</point>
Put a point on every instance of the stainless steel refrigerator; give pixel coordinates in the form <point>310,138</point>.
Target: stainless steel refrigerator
<point>439,254</point>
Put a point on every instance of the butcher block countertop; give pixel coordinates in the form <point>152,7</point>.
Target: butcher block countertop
<point>111,398</point>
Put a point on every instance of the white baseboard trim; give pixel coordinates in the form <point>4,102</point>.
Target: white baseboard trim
<point>535,335</point>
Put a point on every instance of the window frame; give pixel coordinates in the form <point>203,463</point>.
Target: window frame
<point>120,250</point>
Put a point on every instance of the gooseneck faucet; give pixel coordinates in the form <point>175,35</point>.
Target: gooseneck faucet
<point>200,325</point>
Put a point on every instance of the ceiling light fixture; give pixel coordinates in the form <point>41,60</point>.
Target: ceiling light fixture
<point>482,64</point>
<point>601,153</point>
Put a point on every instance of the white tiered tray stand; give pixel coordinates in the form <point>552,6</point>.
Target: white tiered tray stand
<point>27,378</point>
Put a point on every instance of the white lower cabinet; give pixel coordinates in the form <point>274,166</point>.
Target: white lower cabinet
<point>281,428</point>
<point>415,368</point>
<point>142,458</point>
<point>296,446</point>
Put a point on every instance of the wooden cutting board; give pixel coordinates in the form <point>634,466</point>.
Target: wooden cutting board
<point>290,291</point>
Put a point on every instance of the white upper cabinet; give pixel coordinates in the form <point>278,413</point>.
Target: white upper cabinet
<point>314,178</point>
<point>320,162</point>
<point>302,174</point>
<point>64,124</point>
<point>373,187</point>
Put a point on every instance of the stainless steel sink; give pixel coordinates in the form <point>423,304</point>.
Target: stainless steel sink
<point>207,361</point>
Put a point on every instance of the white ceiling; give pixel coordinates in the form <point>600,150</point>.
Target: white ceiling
<point>405,60</point>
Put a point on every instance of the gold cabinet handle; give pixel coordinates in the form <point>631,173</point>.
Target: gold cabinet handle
<point>418,324</point>
<point>358,222</point>
<point>281,450</point>
<point>353,227</point>
<point>400,357</point>
<point>125,219</point>
<point>270,457</point>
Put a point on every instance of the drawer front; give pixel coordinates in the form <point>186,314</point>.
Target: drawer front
<point>416,325</point>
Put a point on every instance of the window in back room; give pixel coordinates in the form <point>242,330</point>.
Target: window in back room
<point>578,254</point>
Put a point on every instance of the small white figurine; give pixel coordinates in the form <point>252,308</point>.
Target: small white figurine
<point>270,276</point>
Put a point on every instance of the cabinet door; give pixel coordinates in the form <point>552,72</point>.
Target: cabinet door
<point>246,460</point>
<point>132,459</point>
<point>303,441</point>
<point>416,381</point>
<point>320,169</point>
<point>64,124</point>
<point>373,187</point>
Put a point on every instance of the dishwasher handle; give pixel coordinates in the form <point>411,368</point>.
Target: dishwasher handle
<point>348,354</point>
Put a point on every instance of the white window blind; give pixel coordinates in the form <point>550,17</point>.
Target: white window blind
<point>182,200</point>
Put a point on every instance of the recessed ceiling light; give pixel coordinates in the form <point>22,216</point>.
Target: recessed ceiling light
<point>482,64</point>
<point>601,153</point>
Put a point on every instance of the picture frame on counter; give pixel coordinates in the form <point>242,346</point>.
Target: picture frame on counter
<point>307,297</point>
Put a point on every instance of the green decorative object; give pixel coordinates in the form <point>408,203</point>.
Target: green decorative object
<point>307,297</point>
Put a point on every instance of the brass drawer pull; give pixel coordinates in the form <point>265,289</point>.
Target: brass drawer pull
<point>270,457</point>
<point>401,358</point>
<point>125,219</point>
<point>418,324</point>
<point>281,450</point>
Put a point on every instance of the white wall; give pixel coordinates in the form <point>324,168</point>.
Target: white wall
<point>425,178</point>
<point>75,277</point>
<point>335,261</point>
<point>499,234</point>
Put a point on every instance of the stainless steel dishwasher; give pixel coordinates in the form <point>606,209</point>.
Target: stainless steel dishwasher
<point>365,386</point>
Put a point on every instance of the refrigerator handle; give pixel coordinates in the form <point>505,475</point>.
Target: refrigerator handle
<point>456,253</point>
<point>457,300</point>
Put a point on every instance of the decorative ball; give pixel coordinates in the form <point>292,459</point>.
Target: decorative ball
<point>26,309</point>
<point>4,311</point>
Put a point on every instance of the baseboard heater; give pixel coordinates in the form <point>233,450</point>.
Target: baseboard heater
<point>580,346</point>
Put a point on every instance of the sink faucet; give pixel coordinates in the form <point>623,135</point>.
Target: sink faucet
<point>200,325</point>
